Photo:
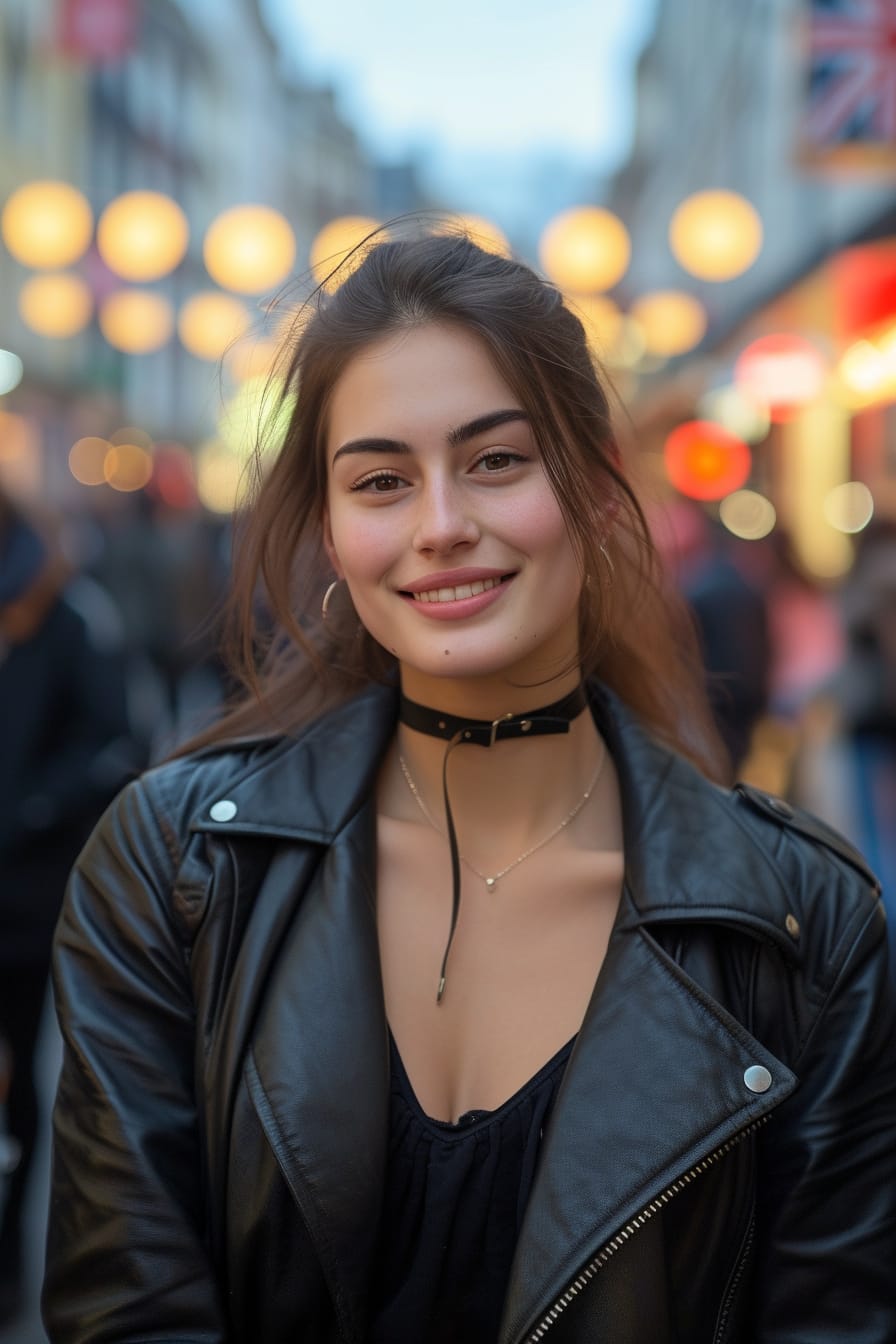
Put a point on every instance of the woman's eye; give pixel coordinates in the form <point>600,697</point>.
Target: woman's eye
<point>499,461</point>
<point>383,483</point>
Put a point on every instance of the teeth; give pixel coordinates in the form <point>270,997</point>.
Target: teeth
<point>455,594</point>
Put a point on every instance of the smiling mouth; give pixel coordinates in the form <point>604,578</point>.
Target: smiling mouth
<point>458,593</point>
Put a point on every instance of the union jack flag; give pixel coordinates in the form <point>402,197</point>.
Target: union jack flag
<point>852,76</point>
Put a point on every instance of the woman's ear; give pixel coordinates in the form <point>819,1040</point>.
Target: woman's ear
<point>330,546</point>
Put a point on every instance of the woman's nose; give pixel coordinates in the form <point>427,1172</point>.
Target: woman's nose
<point>444,519</point>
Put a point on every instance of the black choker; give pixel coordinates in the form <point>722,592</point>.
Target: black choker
<point>454,730</point>
<point>554,718</point>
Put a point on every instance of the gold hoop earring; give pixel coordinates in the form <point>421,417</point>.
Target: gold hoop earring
<point>325,605</point>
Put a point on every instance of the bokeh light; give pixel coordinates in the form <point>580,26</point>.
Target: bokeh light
<point>704,461</point>
<point>11,371</point>
<point>867,371</point>
<point>136,321</point>
<point>86,460</point>
<point>782,371</point>
<point>715,235</point>
<point>747,514</point>
<point>55,305</point>
<point>585,250</point>
<point>481,231</point>
<point>132,434</point>
<point>142,235</point>
<point>219,475</point>
<point>249,248</point>
<point>601,319</point>
<point>16,436</point>
<point>629,345</point>
<point>256,416</point>
<point>127,467</point>
<point>849,507</point>
<point>334,244</point>
<point>47,224</point>
<point>173,476</point>
<point>672,322</point>
<point>210,322</point>
<point>252,358</point>
<point>729,407</point>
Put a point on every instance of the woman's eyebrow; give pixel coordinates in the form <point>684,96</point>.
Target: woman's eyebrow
<point>461,434</point>
<point>483,423</point>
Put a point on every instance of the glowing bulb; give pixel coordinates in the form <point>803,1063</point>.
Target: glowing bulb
<point>337,250</point>
<point>136,321</point>
<point>849,507</point>
<point>142,235</point>
<point>747,514</point>
<point>47,224</point>
<point>210,322</point>
<point>585,250</point>
<point>250,248</point>
<point>715,235</point>
<point>55,305</point>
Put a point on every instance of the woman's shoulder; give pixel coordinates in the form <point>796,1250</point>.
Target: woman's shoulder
<point>303,782</point>
<point>826,895</point>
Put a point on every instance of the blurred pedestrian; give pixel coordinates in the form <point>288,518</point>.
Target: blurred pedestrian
<point>65,749</point>
<point>440,992</point>
<point>845,769</point>
<point>732,623</point>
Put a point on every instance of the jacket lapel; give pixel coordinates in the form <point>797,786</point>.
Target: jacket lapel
<point>318,1066</point>
<point>655,1084</point>
<point>653,1037</point>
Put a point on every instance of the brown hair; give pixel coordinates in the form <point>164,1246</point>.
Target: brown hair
<point>634,635</point>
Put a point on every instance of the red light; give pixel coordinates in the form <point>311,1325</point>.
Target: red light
<point>705,461</point>
<point>781,372</point>
<point>864,282</point>
<point>173,478</point>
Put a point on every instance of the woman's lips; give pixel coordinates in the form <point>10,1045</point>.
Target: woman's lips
<point>457,608</point>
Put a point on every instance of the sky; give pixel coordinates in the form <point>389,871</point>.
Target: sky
<point>502,100</point>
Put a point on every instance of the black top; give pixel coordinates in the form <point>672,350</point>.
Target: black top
<point>454,1202</point>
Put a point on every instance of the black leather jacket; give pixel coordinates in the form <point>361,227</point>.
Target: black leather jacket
<point>220,1128</point>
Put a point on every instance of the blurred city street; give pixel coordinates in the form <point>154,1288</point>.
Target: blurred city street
<point>707,184</point>
<point>27,1328</point>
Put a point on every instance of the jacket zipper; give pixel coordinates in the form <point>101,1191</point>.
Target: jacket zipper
<point>612,1246</point>
<point>734,1282</point>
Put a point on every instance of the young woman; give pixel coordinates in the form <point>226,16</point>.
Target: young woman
<point>441,996</point>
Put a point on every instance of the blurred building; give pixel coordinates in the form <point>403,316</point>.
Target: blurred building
<point>723,102</point>
<point>189,98</point>
<point>44,127</point>
<point>720,102</point>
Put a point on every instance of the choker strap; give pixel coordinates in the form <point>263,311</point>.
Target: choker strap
<point>554,718</point>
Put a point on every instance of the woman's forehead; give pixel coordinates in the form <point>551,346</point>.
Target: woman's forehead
<point>419,379</point>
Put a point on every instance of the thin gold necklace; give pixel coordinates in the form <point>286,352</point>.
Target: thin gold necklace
<point>492,882</point>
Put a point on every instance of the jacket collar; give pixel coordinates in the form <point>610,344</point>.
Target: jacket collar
<point>684,836</point>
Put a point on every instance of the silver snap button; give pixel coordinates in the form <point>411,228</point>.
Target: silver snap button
<point>225,810</point>
<point>757,1078</point>
<point>792,925</point>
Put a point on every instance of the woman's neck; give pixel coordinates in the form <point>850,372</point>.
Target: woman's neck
<point>514,789</point>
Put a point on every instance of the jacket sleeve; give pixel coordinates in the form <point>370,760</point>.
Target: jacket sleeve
<point>126,1260</point>
<point>827,1215</point>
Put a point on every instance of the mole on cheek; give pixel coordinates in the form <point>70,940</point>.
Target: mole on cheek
<point>447,651</point>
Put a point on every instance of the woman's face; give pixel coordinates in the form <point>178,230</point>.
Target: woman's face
<point>440,516</point>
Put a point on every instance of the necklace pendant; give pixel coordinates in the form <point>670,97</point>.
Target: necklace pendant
<point>491,883</point>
